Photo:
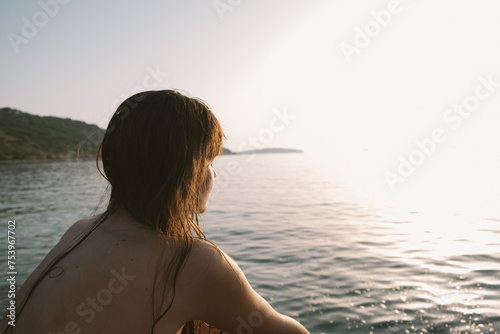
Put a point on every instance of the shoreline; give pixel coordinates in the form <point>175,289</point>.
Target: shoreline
<point>265,151</point>
<point>46,160</point>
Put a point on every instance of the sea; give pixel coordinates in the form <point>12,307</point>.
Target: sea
<point>315,248</point>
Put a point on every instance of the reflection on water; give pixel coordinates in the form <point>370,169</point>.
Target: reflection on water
<point>317,251</point>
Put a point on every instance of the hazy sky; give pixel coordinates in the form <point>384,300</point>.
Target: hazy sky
<point>364,80</point>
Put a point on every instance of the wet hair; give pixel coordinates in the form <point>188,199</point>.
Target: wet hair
<point>154,155</point>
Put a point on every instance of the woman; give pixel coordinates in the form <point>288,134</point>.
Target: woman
<point>144,265</point>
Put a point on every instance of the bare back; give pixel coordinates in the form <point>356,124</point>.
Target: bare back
<point>113,282</point>
<point>116,281</point>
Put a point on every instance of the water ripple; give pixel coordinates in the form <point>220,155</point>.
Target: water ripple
<point>333,263</point>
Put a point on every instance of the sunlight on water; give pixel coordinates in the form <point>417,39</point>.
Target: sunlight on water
<point>442,203</point>
<point>445,234</point>
<point>315,241</point>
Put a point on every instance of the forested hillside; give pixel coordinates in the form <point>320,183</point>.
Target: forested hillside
<point>30,137</point>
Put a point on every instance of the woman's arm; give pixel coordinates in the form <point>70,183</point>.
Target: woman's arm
<point>215,290</point>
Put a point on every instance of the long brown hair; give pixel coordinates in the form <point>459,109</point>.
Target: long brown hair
<point>154,155</point>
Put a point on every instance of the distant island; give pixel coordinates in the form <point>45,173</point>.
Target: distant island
<point>271,150</point>
<point>24,136</point>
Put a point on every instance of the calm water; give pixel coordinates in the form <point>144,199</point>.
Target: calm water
<point>310,246</point>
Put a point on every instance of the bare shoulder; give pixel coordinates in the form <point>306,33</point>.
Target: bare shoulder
<point>75,230</point>
<point>208,256</point>
<point>80,226</point>
<point>213,288</point>
<point>209,267</point>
